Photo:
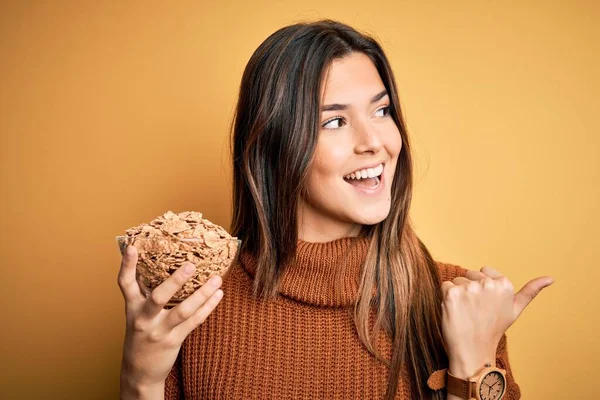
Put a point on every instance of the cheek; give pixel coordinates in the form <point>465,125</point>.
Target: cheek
<point>324,181</point>
<point>329,159</point>
<point>395,144</point>
<point>394,148</point>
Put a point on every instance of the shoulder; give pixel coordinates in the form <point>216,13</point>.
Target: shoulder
<point>449,271</point>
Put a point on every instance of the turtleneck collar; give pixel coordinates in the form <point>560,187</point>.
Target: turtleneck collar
<point>311,278</point>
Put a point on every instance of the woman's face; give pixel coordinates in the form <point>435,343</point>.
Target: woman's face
<point>358,133</point>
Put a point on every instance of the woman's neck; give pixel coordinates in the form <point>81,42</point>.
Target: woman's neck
<point>321,236</point>
<point>321,229</point>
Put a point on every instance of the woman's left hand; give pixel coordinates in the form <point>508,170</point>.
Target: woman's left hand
<point>477,310</point>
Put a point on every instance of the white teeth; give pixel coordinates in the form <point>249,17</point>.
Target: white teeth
<point>363,173</point>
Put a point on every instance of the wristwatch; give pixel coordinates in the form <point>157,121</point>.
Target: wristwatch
<point>489,383</point>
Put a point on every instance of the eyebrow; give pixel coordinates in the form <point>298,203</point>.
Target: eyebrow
<point>338,107</point>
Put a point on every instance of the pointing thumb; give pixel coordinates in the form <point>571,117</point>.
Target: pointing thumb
<point>530,291</point>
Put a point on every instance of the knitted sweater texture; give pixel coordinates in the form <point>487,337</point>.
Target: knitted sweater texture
<point>301,345</point>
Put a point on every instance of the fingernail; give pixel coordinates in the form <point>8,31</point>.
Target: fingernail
<point>189,268</point>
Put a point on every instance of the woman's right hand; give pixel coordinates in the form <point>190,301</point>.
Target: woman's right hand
<point>153,334</point>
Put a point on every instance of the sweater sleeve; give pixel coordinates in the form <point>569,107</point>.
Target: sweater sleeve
<point>174,382</point>
<point>513,392</point>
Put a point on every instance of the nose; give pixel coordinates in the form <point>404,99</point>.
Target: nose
<point>368,138</point>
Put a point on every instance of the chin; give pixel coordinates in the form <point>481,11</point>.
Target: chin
<point>370,218</point>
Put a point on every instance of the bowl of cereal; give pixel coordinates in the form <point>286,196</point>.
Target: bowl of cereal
<point>169,241</point>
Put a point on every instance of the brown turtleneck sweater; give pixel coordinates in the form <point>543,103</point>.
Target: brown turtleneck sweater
<point>303,345</point>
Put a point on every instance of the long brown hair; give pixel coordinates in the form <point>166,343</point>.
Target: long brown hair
<point>274,134</point>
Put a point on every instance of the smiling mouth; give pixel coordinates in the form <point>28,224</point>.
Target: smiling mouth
<point>368,182</point>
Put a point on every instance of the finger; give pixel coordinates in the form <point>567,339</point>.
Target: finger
<point>126,278</point>
<point>530,291</point>
<point>460,280</point>
<point>475,275</point>
<point>161,294</point>
<point>190,306</point>
<point>446,285</point>
<point>491,272</point>
<point>186,327</point>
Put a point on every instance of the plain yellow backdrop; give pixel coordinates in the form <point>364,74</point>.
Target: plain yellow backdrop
<point>113,113</point>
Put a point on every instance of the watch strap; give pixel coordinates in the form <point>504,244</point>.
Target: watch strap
<point>437,380</point>
<point>460,387</point>
<point>465,388</point>
<point>443,379</point>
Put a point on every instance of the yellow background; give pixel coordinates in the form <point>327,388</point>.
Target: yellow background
<point>111,114</point>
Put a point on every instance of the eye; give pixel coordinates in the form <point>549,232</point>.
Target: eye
<point>332,120</point>
<point>386,110</point>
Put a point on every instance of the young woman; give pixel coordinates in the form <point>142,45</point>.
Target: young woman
<point>334,295</point>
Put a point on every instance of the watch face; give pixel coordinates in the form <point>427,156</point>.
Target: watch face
<point>492,386</point>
